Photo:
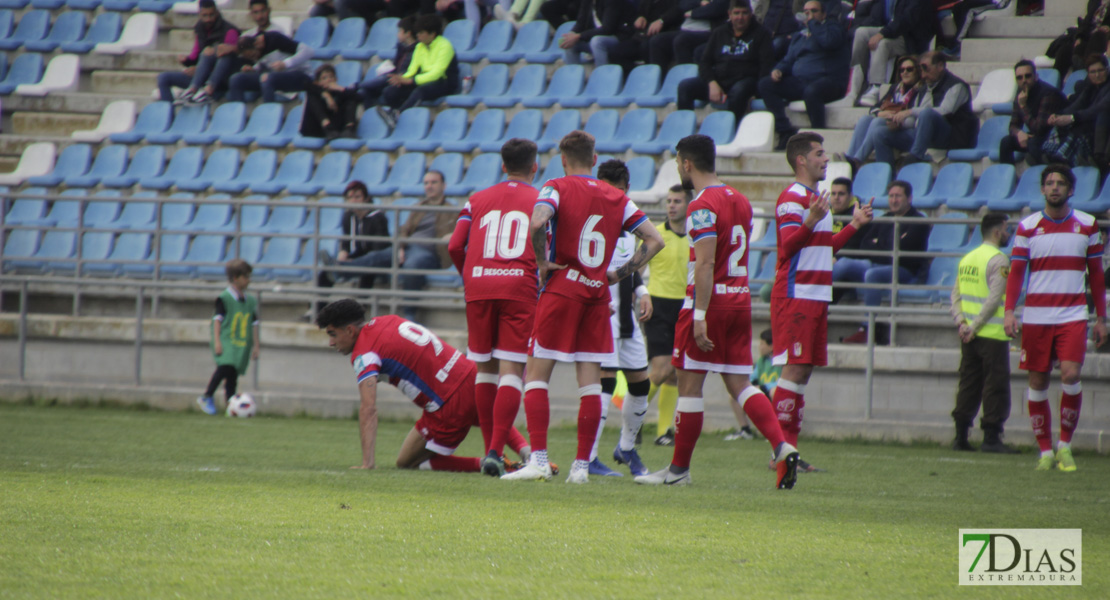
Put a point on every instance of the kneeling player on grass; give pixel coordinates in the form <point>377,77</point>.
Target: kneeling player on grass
<point>718,304</point>
<point>435,376</point>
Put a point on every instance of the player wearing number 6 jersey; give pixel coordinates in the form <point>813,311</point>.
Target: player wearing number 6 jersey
<point>492,252</point>
<point>586,216</point>
<point>714,331</point>
<point>435,376</point>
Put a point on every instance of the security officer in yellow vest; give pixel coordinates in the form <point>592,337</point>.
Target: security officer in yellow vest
<point>977,306</point>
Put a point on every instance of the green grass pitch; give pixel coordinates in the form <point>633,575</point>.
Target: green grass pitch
<point>111,503</point>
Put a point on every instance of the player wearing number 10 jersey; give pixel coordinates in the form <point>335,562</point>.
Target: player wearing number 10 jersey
<point>586,217</point>
<point>491,250</point>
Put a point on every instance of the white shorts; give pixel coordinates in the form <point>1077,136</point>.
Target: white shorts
<point>631,354</point>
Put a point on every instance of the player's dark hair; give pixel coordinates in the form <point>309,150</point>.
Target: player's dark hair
<point>237,267</point>
<point>990,222</point>
<point>614,172</point>
<point>907,188</point>
<point>844,181</point>
<point>1063,170</point>
<point>407,24</point>
<point>518,155</point>
<point>429,24</point>
<point>1025,62</point>
<point>578,148</point>
<point>800,144</point>
<point>360,186</point>
<point>700,150</point>
<point>341,313</point>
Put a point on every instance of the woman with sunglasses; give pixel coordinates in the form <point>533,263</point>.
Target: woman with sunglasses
<point>901,96</point>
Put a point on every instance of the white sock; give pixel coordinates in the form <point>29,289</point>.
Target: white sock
<point>1063,445</point>
<point>425,466</point>
<point>580,465</point>
<point>1045,453</point>
<point>539,458</point>
<point>632,418</point>
<point>605,400</point>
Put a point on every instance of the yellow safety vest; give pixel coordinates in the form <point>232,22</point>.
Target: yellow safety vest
<point>974,291</point>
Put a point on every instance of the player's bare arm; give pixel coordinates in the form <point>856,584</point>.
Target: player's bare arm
<point>368,420</point>
<point>705,258</point>
<point>541,214</point>
<point>651,243</point>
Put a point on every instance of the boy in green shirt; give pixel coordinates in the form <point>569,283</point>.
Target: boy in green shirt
<point>234,337</point>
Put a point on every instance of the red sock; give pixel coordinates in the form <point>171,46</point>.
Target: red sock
<point>759,411</point>
<point>461,464</point>
<point>537,410</point>
<point>1041,418</point>
<point>485,390</point>
<point>506,405</point>
<point>516,440</point>
<point>589,418</point>
<point>1070,402</point>
<point>688,418</point>
<point>788,406</point>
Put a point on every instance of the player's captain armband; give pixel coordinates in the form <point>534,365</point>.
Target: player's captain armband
<point>548,192</point>
<point>702,219</point>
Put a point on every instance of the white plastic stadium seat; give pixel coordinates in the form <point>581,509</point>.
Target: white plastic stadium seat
<point>666,178</point>
<point>834,170</point>
<point>1043,62</point>
<point>190,7</point>
<point>140,33</point>
<point>997,87</point>
<point>283,24</point>
<point>62,75</point>
<point>119,116</point>
<point>755,134</point>
<point>38,159</point>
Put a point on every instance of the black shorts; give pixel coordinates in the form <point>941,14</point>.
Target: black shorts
<point>659,329</point>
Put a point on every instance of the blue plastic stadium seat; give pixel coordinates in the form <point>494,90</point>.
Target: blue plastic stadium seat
<point>110,162</point>
<point>227,119</point>
<point>56,245</point>
<point>871,181</point>
<point>252,217</point>
<point>258,167</point>
<point>188,120</point>
<point>1028,190</point>
<point>32,27</point>
<point>637,125</point>
<point>603,124</point>
<point>147,163</point>
<point>990,135</point>
<point>119,5</point>
<point>127,256</point>
<point>136,213</point>
<point>3,65</point>
<point>154,118</point>
<point>370,127</point>
<point>370,169</point>
<point>948,237</point>
<point>525,124</point>
<point>641,173</point>
<point>1100,203</point>
<point>996,181</point>
<point>290,129</point>
<point>287,216</point>
<point>184,165</point>
<point>765,272</point>
<point>953,181</point>
<point>449,126</point>
<point>532,37</point>
<point>348,73</point>
<point>677,125</point>
<point>487,126</point>
<point>46,4</point>
<point>19,246</point>
<point>412,125</point>
<point>942,272</point>
<point>495,37</point>
<point>552,52</point>
<point>334,166</point>
<point>668,92</point>
<point>69,27</point>
<point>292,258</point>
<point>72,161</point>
<point>461,35</point>
<point>177,214</point>
<point>99,213</point>
<point>1050,76</point>
<point>483,172</point>
<point>1073,78</point>
<point>719,125</point>
<point>918,175</point>
<point>214,215</point>
<point>450,164</point>
<point>25,210</point>
<point>560,124</point>
<point>348,35</point>
<point>205,250</point>
<point>552,170</point>
<point>567,81</point>
<point>642,82</point>
<point>155,6</point>
<point>381,42</point>
<point>313,32</point>
<point>7,17</point>
<point>93,246</point>
<point>491,81</point>
<point>604,82</point>
<point>528,82</point>
<point>296,167</point>
<point>83,4</point>
<point>26,68</point>
<point>408,169</point>
<point>265,120</point>
<point>105,28</point>
<point>63,213</point>
<point>222,165</point>
<point>171,248</point>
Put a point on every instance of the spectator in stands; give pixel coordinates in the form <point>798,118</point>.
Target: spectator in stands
<point>737,56</point>
<point>274,63</point>
<point>942,118</point>
<point>1071,49</point>
<point>427,227</point>
<point>891,29</point>
<point>681,46</point>
<point>519,12</point>
<point>815,69</point>
<point>260,14</point>
<point>1035,102</point>
<point>960,12</point>
<point>842,203</point>
<point>777,17</point>
<point>880,236</point>
<point>371,89</point>
<point>1081,127</point>
<point>558,12</point>
<point>904,95</point>
<point>206,71</point>
<point>361,219</point>
<point>432,74</point>
<point>616,18</point>
<point>331,110</point>
<point>654,17</point>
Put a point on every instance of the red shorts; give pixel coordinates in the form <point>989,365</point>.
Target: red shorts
<point>731,334</point>
<point>569,331</point>
<point>446,428</point>
<point>800,329</point>
<point>498,329</point>
<point>1043,345</point>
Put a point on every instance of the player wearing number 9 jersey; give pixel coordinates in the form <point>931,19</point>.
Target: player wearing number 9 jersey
<point>430,373</point>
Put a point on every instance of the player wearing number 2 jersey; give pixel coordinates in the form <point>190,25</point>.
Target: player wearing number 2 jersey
<point>572,316</point>
<point>492,252</point>
<point>432,374</point>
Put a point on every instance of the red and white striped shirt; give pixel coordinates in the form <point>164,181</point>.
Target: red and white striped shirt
<point>805,258</point>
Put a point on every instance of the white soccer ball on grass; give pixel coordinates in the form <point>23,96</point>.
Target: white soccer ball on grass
<point>241,405</point>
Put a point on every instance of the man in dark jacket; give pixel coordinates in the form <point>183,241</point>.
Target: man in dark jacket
<point>204,71</point>
<point>943,118</point>
<point>815,69</point>
<point>907,27</point>
<point>737,55</point>
<point>617,18</point>
<point>654,18</point>
<point>680,46</point>
<point>274,63</point>
<point>1034,103</point>
<point>1085,121</point>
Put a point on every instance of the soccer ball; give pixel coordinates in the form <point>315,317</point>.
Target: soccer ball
<point>241,405</point>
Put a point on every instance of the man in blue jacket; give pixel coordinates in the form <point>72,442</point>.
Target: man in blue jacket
<point>892,28</point>
<point>815,69</point>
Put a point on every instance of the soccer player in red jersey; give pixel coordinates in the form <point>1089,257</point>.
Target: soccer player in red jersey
<point>585,217</point>
<point>718,300</point>
<point>803,278</point>
<point>1061,248</point>
<point>435,376</point>
<point>492,252</point>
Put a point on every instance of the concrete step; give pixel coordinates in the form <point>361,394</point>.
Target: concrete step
<point>1020,27</point>
<point>140,83</point>
<point>990,50</point>
<point>15,144</point>
<point>85,103</point>
<point>51,123</point>
<point>762,190</point>
<point>240,18</point>
<point>8,163</point>
<point>147,60</point>
<point>1065,8</point>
